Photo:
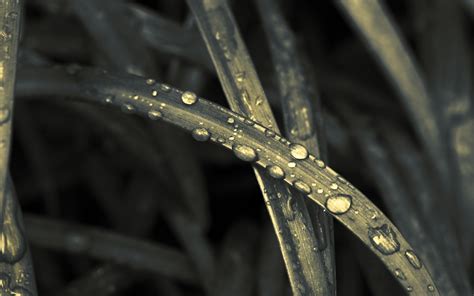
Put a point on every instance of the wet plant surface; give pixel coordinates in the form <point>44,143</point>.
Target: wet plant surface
<point>256,147</point>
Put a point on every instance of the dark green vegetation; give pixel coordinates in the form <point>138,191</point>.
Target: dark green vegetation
<point>136,123</point>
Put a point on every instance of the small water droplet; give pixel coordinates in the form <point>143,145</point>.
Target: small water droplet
<point>165,88</point>
<point>409,289</point>
<point>399,274</point>
<point>292,164</point>
<point>244,153</point>
<point>302,186</point>
<point>150,81</point>
<point>431,288</point>
<point>320,163</point>
<point>334,186</point>
<point>109,99</point>
<point>154,114</point>
<point>339,204</point>
<point>189,98</point>
<point>230,120</point>
<point>201,134</point>
<point>269,133</point>
<point>413,259</point>
<point>154,93</point>
<point>384,239</point>
<point>298,151</point>
<point>127,108</point>
<point>276,172</point>
<point>240,77</point>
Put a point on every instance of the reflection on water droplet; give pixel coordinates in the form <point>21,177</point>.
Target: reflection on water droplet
<point>302,186</point>
<point>276,172</point>
<point>384,239</point>
<point>154,114</point>
<point>413,259</point>
<point>201,134</point>
<point>399,274</point>
<point>244,153</point>
<point>165,88</point>
<point>189,98</point>
<point>127,108</point>
<point>339,204</point>
<point>298,151</point>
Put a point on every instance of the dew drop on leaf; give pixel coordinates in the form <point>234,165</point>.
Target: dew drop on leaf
<point>339,204</point>
<point>384,239</point>
<point>189,98</point>
<point>244,153</point>
<point>276,172</point>
<point>302,186</point>
<point>413,259</point>
<point>298,151</point>
<point>201,134</point>
<point>154,114</point>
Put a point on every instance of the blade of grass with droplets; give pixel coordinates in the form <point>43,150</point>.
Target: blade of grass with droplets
<point>15,261</point>
<point>450,80</point>
<point>108,246</point>
<point>245,95</point>
<point>402,208</point>
<point>410,162</point>
<point>208,121</point>
<point>376,27</point>
<point>299,114</point>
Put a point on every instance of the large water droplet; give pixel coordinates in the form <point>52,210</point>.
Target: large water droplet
<point>298,151</point>
<point>302,186</point>
<point>339,204</point>
<point>244,153</point>
<point>276,172</point>
<point>413,259</point>
<point>384,239</point>
<point>189,98</point>
<point>201,134</point>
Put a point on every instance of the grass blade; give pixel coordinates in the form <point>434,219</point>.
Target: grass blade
<point>208,121</point>
<point>245,95</point>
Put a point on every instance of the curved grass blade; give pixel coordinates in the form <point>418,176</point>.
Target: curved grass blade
<point>208,121</point>
<point>303,122</point>
<point>378,30</point>
<point>245,95</point>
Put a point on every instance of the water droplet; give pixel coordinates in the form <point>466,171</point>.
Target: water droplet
<point>244,153</point>
<point>109,99</point>
<point>431,288</point>
<point>298,151</point>
<point>4,114</point>
<point>339,204</point>
<point>150,81</point>
<point>165,88</point>
<point>409,289</point>
<point>276,172</point>
<point>384,239</point>
<point>189,98</point>
<point>154,114</point>
<point>201,134</point>
<point>399,274</point>
<point>334,186</point>
<point>230,120</point>
<point>154,93</point>
<point>269,133</point>
<point>413,259</point>
<point>292,164</point>
<point>302,186</point>
<point>240,77</point>
<point>320,163</point>
<point>127,108</point>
